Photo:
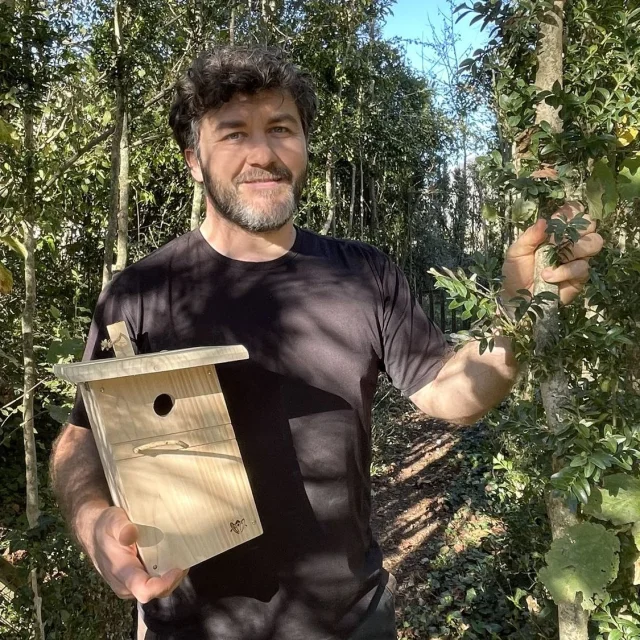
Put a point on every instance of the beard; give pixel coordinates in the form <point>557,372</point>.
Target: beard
<point>272,210</point>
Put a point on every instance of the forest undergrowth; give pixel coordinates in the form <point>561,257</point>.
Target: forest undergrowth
<point>449,516</point>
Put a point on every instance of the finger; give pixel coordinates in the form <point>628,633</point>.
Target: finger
<point>145,587</point>
<point>529,241</point>
<point>569,290</point>
<point>587,247</point>
<point>175,581</point>
<point>575,271</point>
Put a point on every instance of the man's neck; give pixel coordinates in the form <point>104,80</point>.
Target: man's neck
<point>236,243</point>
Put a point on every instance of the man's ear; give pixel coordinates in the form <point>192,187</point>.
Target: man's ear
<point>191,158</point>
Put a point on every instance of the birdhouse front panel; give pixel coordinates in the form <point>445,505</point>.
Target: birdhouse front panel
<point>173,463</point>
<point>158,404</point>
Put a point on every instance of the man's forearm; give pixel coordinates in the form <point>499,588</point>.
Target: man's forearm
<point>78,482</point>
<point>470,384</point>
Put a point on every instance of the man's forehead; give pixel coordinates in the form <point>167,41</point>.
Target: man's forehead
<point>268,100</point>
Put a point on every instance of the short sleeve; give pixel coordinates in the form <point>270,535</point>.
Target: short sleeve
<point>112,307</point>
<point>414,348</point>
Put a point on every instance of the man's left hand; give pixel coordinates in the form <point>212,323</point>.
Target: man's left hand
<point>570,276</point>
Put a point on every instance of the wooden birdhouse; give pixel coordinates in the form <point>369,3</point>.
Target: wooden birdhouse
<point>168,449</point>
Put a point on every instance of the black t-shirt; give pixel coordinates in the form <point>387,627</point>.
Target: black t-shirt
<point>319,323</point>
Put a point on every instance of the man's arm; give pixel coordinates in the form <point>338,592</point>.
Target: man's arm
<point>104,531</point>
<point>469,384</point>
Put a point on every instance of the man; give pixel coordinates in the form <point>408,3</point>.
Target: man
<point>320,318</point>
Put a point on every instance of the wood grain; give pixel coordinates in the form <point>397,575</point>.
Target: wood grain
<point>148,363</point>
<point>179,473</point>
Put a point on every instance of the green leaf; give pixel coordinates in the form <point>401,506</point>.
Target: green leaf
<point>14,244</point>
<point>583,562</point>
<point>523,210</point>
<point>59,414</point>
<point>629,179</point>
<point>6,280</point>
<point>489,212</point>
<point>8,134</point>
<point>617,501</point>
<point>602,193</point>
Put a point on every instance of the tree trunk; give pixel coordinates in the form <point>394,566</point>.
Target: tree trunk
<point>352,204</point>
<point>361,199</point>
<point>28,316</point>
<point>232,26</point>
<point>572,619</point>
<point>373,205</point>
<point>329,189</point>
<point>116,144</point>
<point>196,204</point>
<point>123,197</point>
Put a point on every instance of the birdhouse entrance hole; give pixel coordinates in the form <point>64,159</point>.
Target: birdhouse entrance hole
<point>163,404</point>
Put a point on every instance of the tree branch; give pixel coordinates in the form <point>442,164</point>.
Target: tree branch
<point>67,164</point>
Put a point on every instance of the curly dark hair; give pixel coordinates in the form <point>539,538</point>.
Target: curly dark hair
<point>216,76</point>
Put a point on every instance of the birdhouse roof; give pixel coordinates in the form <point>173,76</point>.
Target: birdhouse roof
<point>148,363</point>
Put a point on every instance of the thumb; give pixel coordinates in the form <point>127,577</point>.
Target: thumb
<point>530,240</point>
<point>119,526</point>
<point>128,534</point>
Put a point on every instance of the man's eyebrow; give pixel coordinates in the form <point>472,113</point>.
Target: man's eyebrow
<point>230,124</point>
<point>283,117</point>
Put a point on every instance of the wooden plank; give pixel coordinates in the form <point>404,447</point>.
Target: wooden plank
<point>148,363</point>
<point>179,473</point>
<point>189,505</point>
<point>104,448</point>
<point>128,406</point>
<point>120,340</point>
<point>192,438</point>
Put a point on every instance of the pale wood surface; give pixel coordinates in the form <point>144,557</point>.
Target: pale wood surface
<point>126,404</point>
<point>120,340</point>
<point>148,363</point>
<point>179,476</point>
<point>189,504</point>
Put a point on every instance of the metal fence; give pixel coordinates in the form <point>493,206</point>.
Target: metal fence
<point>435,304</point>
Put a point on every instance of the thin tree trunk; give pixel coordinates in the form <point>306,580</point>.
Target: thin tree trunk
<point>329,193</point>
<point>572,618</point>
<point>232,26</point>
<point>361,199</point>
<point>196,204</point>
<point>123,197</point>
<point>352,204</point>
<point>28,316</point>
<point>373,205</point>
<point>116,142</point>
<point>37,602</point>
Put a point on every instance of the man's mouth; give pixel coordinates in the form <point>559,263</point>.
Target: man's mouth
<point>263,183</point>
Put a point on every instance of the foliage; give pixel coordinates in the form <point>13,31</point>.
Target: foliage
<point>533,169</point>
<point>581,564</point>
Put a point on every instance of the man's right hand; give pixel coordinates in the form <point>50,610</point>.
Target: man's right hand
<point>113,551</point>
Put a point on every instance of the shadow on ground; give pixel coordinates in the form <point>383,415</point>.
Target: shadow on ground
<point>464,559</point>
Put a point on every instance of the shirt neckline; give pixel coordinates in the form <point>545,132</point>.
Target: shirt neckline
<point>265,265</point>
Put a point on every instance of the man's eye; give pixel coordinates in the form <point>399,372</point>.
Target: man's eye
<point>236,135</point>
<point>280,130</point>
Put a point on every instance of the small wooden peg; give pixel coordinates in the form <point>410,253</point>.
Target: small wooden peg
<point>120,340</point>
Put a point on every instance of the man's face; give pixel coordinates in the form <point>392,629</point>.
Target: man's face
<point>252,159</point>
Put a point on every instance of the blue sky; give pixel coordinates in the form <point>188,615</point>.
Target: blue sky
<point>411,21</point>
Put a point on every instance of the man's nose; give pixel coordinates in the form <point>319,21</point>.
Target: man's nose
<point>260,153</point>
